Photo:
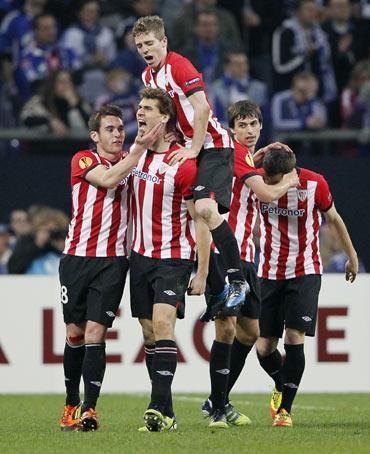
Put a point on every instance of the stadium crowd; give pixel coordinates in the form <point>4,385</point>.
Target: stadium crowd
<point>306,63</point>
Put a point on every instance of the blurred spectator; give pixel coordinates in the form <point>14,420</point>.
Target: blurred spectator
<point>205,49</point>
<point>333,256</point>
<point>234,85</point>
<point>128,58</point>
<point>228,28</point>
<point>169,11</point>
<point>39,252</point>
<point>300,44</point>
<point>347,39</point>
<point>122,91</point>
<point>5,248</point>
<point>299,108</point>
<point>19,224</point>
<point>96,46</point>
<point>139,8</point>
<point>58,108</point>
<point>90,40</point>
<point>43,56</point>
<point>355,99</point>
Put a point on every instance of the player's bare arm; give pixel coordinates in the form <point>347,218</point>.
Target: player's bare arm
<point>100,176</point>
<point>203,240</point>
<point>201,116</point>
<point>267,193</point>
<point>259,154</point>
<point>334,219</point>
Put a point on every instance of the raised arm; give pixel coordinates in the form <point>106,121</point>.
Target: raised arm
<point>266,192</point>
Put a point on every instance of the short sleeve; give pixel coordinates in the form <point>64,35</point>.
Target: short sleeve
<point>243,163</point>
<point>185,178</point>
<point>187,77</point>
<point>323,197</point>
<point>82,162</point>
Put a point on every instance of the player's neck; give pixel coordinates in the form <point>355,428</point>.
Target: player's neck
<point>161,63</point>
<point>161,146</point>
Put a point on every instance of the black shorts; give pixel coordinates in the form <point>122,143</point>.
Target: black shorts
<point>215,176</point>
<point>252,304</point>
<point>290,303</point>
<point>92,288</point>
<point>158,281</point>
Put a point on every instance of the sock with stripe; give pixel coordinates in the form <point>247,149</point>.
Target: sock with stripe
<point>227,245</point>
<point>238,355</point>
<point>292,372</point>
<point>72,363</point>
<point>215,278</point>
<point>163,371</point>
<point>272,365</point>
<point>93,369</point>
<point>219,369</point>
<point>149,350</point>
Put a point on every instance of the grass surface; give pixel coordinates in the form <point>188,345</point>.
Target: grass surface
<point>324,423</point>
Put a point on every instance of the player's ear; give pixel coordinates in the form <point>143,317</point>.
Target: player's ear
<point>94,136</point>
<point>165,118</point>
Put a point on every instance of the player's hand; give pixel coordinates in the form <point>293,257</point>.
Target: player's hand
<point>292,178</point>
<point>351,269</point>
<point>259,154</point>
<point>181,155</point>
<point>197,285</point>
<point>147,139</point>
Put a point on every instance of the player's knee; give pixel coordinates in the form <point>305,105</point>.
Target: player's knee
<point>225,330</point>
<point>248,338</point>
<point>266,345</point>
<point>147,330</point>
<point>75,340</point>
<point>294,337</point>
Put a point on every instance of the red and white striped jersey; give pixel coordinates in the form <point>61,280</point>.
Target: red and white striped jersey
<point>290,229</point>
<point>180,79</point>
<point>243,210</point>
<point>98,227</point>
<point>162,226</point>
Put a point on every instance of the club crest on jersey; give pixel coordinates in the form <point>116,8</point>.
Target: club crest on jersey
<point>85,162</point>
<point>302,194</point>
<point>163,169</point>
<point>249,159</point>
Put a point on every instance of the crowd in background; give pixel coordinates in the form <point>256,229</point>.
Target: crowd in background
<point>305,62</point>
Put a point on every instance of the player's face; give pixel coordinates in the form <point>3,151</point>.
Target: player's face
<point>247,131</point>
<point>148,115</point>
<point>152,49</point>
<point>109,140</point>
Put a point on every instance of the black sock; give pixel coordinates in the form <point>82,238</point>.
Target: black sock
<point>227,245</point>
<point>238,355</point>
<point>93,369</point>
<point>216,276</point>
<point>272,365</point>
<point>149,350</point>
<point>163,371</point>
<point>72,362</point>
<point>219,369</point>
<point>292,372</point>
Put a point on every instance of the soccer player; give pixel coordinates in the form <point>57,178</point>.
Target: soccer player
<point>228,353</point>
<point>204,137</point>
<point>94,265</point>
<point>163,253</point>
<point>290,269</point>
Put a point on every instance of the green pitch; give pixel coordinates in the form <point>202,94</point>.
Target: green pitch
<point>323,423</point>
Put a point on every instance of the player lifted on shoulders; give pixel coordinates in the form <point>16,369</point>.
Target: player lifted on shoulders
<point>205,139</point>
<point>290,270</point>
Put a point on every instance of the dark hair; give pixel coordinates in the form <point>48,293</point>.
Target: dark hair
<point>149,24</point>
<point>278,160</point>
<point>243,109</point>
<point>38,17</point>
<point>104,111</point>
<point>299,3</point>
<point>166,105</point>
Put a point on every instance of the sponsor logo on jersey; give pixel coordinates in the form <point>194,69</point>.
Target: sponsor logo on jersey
<point>302,194</point>
<point>85,162</point>
<point>295,212</point>
<point>171,93</point>
<point>249,159</point>
<point>146,176</point>
<point>192,81</point>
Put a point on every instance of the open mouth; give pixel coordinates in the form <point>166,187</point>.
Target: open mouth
<point>141,123</point>
<point>149,58</point>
